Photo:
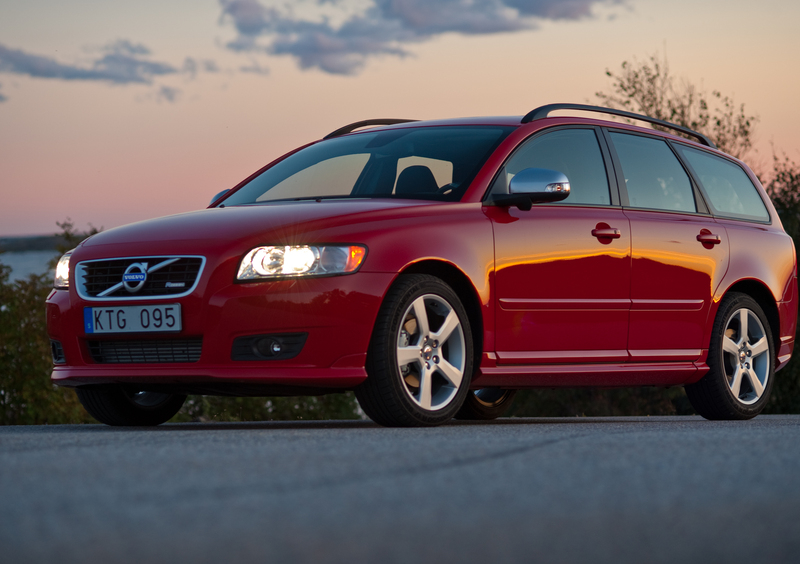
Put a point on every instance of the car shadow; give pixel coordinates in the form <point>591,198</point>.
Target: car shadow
<point>366,424</point>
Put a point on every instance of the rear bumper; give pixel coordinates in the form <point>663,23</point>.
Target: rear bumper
<point>787,310</point>
<point>785,351</point>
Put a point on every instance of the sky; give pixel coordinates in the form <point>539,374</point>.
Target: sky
<point>113,112</point>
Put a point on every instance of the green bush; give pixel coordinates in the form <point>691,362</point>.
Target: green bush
<point>26,395</point>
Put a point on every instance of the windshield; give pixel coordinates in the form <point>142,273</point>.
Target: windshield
<point>424,163</point>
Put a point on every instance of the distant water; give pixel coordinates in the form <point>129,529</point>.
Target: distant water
<point>25,263</point>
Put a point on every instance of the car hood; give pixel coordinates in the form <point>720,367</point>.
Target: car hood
<point>244,224</point>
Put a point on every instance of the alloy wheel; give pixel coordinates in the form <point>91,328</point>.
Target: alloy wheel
<point>431,352</point>
<point>745,353</point>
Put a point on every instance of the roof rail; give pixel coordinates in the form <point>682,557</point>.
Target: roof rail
<point>543,111</point>
<point>364,123</point>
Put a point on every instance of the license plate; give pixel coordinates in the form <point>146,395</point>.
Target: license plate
<point>132,319</point>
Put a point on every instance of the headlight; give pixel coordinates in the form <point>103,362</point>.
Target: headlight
<point>62,272</point>
<point>300,260</point>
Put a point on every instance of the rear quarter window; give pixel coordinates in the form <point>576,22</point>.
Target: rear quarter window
<point>729,190</point>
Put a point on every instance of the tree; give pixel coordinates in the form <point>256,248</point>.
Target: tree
<point>71,237</point>
<point>784,189</point>
<point>648,88</point>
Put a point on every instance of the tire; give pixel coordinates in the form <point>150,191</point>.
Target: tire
<point>486,404</point>
<point>119,407</point>
<point>741,362</point>
<point>420,358</point>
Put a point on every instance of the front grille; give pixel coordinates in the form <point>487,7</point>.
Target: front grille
<point>146,352</point>
<point>173,279</point>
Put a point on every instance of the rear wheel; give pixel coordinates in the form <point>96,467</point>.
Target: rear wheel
<point>120,407</point>
<point>486,404</point>
<point>740,358</point>
<point>420,358</point>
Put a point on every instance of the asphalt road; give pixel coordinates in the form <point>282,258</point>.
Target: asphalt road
<point>662,489</point>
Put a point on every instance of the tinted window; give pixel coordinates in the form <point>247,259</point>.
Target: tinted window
<point>730,191</point>
<point>653,175</point>
<point>575,152</point>
<point>442,170</point>
<point>369,164</point>
<point>331,176</point>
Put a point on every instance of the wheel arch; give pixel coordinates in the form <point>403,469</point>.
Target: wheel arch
<point>763,296</point>
<point>466,291</point>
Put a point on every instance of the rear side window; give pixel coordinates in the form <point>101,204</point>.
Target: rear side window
<point>653,175</point>
<point>574,152</point>
<point>729,189</point>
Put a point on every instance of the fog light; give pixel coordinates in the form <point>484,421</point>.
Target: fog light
<point>276,346</point>
<point>268,347</point>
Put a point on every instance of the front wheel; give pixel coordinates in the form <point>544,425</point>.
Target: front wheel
<point>420,359</point>
<point>121,407</point>
<point>740,359</point>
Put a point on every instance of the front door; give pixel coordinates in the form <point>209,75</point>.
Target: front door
<point>562,273</point>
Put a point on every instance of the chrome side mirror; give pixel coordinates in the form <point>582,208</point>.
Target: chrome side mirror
<point>219,195</point>
<point>533,186</point>
<point>541,184</point>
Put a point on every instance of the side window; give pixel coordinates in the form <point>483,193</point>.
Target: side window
<point>653,175</point>
<point>729,189</point>
<point>575,152</point>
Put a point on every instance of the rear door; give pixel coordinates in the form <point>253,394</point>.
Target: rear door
<point>679,253</point>
<point>563,288</point>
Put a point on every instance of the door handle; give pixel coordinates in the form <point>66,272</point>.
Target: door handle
<point>708,238</point>
<point>607,233</point>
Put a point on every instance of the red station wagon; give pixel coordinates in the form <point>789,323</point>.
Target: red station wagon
<point>436,267</point>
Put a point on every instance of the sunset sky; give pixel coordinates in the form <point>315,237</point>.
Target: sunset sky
<point>113,112</point>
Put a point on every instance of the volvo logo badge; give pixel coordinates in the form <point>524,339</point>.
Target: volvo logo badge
<point>135,276</point>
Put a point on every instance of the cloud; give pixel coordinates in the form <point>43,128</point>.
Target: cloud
<point>192,66</point>
<point>553,10</point>
<point>121,62</point>
<point>167,94</point>
<point>249,16</point>
<point>382,27</point>
<point>255,68</point>
<point>126,47</point>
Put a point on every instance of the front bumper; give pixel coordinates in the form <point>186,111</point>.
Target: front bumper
<point>337,313</point>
